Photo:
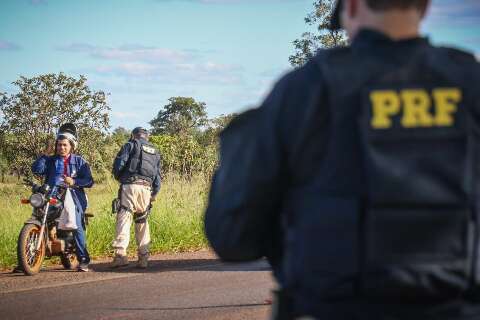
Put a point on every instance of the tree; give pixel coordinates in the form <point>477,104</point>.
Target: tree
<point>219,123</point>
<point>4,165</point>
<point>184,155</point>
<point>120,135</point>
<point>209,136</point>
<point>121,131</point>
<point>183,115</point>
<point>323,37</point>
<point>32,116</point>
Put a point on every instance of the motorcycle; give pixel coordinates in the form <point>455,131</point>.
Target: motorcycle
<point>40,235</point>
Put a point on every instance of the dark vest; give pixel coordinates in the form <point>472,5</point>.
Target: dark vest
<point>142,163</point>
<point>389,216</point>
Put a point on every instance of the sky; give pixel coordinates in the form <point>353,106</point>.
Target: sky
<point>225,53</point>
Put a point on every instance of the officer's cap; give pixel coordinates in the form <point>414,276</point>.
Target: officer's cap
<point>139,130</point>
<point>335,19</point>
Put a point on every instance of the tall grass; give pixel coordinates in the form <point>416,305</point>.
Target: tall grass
<point>175,223</point>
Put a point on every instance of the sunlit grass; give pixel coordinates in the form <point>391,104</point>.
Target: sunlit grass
<point>175,223</point>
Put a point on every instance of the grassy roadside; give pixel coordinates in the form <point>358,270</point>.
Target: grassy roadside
<point>175,223</point>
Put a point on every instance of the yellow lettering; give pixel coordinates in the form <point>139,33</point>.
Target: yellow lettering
<point>385,104</point>
<point>416,109</point>
<point>446,101</point>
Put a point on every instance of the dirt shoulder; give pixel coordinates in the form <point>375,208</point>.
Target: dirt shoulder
<point>56,275</point>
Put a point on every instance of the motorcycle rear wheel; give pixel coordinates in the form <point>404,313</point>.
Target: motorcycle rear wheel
<point>29,259</point>
<point>69,261</point>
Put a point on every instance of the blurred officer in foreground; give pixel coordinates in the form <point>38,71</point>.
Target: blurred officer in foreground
<point>358,176</point>
<point>137,168</point>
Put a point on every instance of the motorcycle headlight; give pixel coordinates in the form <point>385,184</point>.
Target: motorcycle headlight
<point>35,188</point>
<point>44,188</point>
<point>37,200</point>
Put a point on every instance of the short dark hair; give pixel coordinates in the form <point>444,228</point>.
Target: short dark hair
<point>396,4</point>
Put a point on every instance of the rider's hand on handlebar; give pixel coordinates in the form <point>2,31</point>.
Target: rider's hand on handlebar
<point>68,181</point>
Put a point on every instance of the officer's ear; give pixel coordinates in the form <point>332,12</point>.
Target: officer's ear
<point>351,8</point>
<point>424,8</point>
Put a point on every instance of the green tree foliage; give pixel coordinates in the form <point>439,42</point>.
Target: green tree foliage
<point>183,154</point>
<point>6,158</point>
<point>186,139</point>
<point>219,123</point>
<point>181,116</point>
<point>191,153</point>
<point>209,136</point>
<point>322,37</point>
<point>120,135</point>
<point>32,116</point>
<point>4,166</point>
<point>99,149</point>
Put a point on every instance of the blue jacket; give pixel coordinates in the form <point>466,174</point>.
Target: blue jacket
<point>51,167</point>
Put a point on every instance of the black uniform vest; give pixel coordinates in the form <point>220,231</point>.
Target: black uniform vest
<point>390,215</point>
<point>143,162</point>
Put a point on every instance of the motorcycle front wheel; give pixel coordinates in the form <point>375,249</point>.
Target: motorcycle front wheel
<point>29,259</point>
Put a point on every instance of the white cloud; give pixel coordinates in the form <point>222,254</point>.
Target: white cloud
<point>9,46</point>
<point>130,53</point>
<point>160,64</point>
<point>194,73</point>
<point>142,54</point>
<point>228,1</point>
<point>77,47</point>
<point>131,69</point>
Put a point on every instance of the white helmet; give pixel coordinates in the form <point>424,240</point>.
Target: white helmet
<point>68,131</point>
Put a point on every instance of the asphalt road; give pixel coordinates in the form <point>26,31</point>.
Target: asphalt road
<point>185,286</point>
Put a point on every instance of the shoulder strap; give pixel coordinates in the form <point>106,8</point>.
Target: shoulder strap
<point>459,55</point>
<point>135,148</point>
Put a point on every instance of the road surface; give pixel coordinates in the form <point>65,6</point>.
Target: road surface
<point>183,286</point>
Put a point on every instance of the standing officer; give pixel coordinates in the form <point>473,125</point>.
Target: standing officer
<point>137,168</point>
<point>358,177</point>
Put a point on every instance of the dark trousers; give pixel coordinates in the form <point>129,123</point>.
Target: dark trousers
<point>454,310</point>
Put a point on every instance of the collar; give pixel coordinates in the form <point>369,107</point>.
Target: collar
<point>67,158</point>
<point>368,38</point>
<point>142,140</point>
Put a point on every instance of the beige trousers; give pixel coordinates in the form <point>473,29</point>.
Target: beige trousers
<point>136,198</point>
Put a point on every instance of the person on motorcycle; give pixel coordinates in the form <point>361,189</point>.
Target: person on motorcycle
<point>69,169</point>
<point>137,168</point>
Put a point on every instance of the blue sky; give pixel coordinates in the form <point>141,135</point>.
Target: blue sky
<point>226,53</point>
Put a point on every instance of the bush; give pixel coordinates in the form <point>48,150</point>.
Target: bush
<point>184,155</point>
<point>176,221</point>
